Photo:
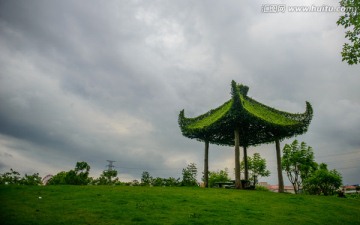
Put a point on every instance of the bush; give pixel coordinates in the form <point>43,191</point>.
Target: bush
<point>34,179</point>
<point>58,179</point>
<point>172,182</point>
<point>12,177</point>
<point>78,176</point>
<point>261,188</point>
<point>323,181</point>
<point>106,178</point>
<point>219,176</point>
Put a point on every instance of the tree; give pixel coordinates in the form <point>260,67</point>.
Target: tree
<point>298,162</point>
<point>34,179</point>
<point>106,178</point>
<point>171,182</point>
<point>351,19</point>
<point>189,175</point>
<point>134,183</point>
<point>257,168</point>
<point>218,176</point>
<point>146,179</point>
<point>82,172</point>
<point>323,181</point>
<point>78,176</point>
<point>58,179</point>
<point>12,177</point>
<point>109,175</point>
<point>158,181</point>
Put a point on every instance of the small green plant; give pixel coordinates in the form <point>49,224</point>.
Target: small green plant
<point>261,188</point>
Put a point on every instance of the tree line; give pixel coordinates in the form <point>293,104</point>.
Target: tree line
<point>80,176</point>
<point>305,175</point>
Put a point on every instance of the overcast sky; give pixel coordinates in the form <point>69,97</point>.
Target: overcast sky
<point>98,80</point>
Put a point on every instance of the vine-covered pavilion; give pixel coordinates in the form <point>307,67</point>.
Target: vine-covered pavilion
<point>243,121</point>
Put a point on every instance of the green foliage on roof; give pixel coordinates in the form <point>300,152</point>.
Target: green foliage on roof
<point>256,122</point>
<point>266,113</point>
<point>212,117</point>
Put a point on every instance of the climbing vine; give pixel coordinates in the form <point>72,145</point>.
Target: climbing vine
<point>257,122</point>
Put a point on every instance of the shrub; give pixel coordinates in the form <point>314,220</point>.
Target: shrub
<point>323,181</point>
<point>261,188</point>
<point>12,177</point>
<point>219,176</point>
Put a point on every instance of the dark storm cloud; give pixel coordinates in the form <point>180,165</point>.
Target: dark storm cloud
<point>106,80</point>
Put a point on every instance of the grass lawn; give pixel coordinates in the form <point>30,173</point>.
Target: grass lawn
<point>168,205</point>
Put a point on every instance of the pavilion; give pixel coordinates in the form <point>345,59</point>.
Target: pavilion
<point>242,121</point>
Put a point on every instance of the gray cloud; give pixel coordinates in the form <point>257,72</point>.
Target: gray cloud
<point>106,80</point>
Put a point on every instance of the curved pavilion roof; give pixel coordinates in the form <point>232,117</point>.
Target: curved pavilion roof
<point>257,123</point>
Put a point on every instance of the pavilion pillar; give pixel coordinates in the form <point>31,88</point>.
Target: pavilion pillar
<point>237,159</point>
<point>279,168</point>
<point>206,164</point>
<point>246,164</point>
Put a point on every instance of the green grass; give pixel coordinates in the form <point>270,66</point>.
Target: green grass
<point>165,205</point>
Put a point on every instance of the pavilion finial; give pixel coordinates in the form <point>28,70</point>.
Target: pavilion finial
<point>243,89</point>
<point>236,97</point>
